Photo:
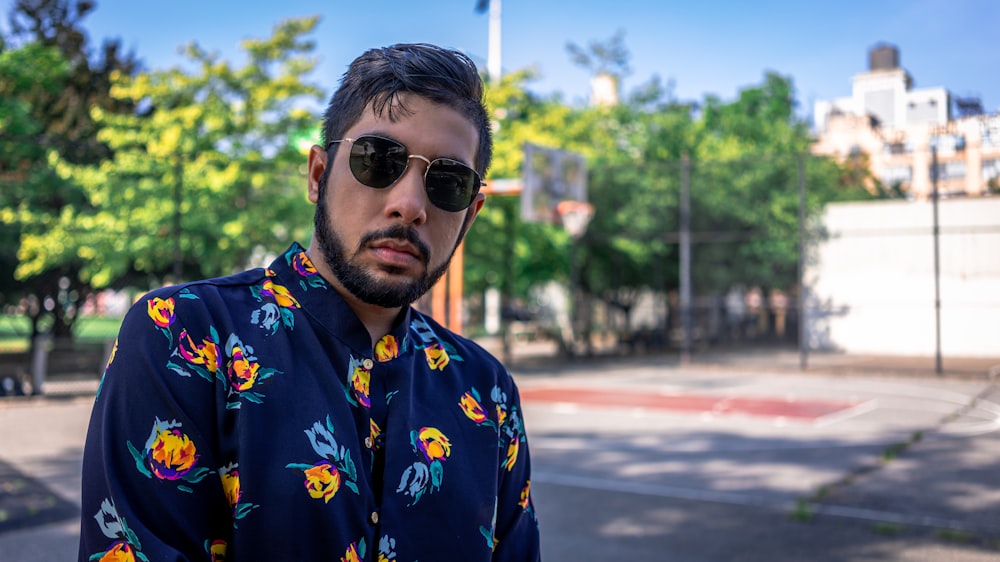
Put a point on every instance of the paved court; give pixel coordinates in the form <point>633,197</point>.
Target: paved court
<point>642,459</point>
<point>644,462</point>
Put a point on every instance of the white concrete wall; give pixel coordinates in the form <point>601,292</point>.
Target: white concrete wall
<point>870,283</point>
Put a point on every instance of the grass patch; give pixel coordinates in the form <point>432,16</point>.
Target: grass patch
<point>97,328</point>
<point>887,529</point>
<point>955,535</point>
<point>803,511</point>
<point>15,331</point>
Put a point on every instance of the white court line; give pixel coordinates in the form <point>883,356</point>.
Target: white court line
<point>847,413</point>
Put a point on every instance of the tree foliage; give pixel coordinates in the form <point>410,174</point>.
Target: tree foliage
<point>740,159</point>
<point>219,140</point>
<point>52,81</point>
<point>96,156</point>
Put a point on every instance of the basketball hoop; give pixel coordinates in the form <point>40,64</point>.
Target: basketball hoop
<point>575,216</point>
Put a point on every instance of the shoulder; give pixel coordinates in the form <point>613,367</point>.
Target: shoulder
<point>219,290</point>
<point>198,302</point>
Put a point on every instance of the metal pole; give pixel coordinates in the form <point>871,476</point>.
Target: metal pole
<point>685,259</point>
<point>507,281</point>
<point>39,363</point>
<point>803,315</point>
<point>493,54</point>
<point>937,262</point>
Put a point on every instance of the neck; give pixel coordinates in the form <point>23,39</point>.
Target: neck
<point>378,320</point>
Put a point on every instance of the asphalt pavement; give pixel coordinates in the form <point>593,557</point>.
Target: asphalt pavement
<point>735,456</point>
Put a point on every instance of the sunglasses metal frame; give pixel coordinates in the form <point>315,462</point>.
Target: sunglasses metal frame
<point>478,179</point>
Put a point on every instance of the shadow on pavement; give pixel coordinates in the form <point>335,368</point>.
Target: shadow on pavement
<point>25,502</point>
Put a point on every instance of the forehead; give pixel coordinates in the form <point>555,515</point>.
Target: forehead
<point>423,126</point>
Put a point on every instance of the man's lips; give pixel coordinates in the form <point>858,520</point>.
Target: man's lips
<point>397,252</point>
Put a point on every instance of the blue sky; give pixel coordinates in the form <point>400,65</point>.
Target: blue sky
<point>704,47</point>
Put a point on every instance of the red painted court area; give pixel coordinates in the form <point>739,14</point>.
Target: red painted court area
<point>809,410</point>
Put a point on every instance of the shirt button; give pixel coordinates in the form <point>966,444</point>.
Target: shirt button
<point>374,518</point>
<point>368,442</point>
<point>367,364</point>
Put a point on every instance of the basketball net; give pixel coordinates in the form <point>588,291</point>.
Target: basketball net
<point>575,216</point>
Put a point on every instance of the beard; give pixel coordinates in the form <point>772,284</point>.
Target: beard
<point>360,280</point>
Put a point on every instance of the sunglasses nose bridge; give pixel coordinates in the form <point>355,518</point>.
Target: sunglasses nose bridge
<point>425,159</point>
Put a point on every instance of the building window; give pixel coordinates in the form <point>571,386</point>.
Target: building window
<point>897,147</point>
<point>951,170</point>
<point>991,169</point>
<point>948,144</point>
<point>990,133</point>
<point>897,174</point>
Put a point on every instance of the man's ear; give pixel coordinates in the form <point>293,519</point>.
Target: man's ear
<point>477,205</point>
<point>317,167</point>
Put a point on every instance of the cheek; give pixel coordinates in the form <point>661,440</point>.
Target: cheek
<point>445,232</point>
<point>350,212</point>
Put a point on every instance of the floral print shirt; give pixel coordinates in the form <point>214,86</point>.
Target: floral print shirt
<point>249,418</point>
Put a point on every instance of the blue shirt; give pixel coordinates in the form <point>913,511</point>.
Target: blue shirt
<point>249,418</point>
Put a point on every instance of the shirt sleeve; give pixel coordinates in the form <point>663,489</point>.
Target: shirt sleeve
<point>517,534</point>
<point>151,478</point>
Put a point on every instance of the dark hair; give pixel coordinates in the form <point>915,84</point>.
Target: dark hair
<point>379,76</point>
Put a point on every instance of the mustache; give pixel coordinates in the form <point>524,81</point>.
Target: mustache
<point>398,232</point>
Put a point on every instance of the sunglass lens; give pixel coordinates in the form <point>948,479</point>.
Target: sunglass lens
<point>451,185</point>
<point>377,162</point>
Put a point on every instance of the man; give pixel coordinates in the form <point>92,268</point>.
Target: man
<point>305,411</point>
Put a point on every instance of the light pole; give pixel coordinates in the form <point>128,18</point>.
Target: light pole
<point>493,68</point>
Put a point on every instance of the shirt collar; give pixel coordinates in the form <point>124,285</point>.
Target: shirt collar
<point>323,303</point>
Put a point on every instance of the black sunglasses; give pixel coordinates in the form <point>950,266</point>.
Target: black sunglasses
<point>379,162</point>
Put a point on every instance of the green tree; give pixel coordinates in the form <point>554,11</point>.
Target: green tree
<point>220,140</point>
<point>55,79</point>
<point>742,161</point>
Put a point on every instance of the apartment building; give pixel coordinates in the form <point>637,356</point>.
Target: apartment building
<point>896,127</point>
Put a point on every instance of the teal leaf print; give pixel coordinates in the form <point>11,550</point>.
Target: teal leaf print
<point>437,474</point>
<point>324,478</point>
<point>114,527</point>
<point>387,548</point>
<point>414,481</point>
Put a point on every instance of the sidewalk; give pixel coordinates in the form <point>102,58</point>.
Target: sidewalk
<point>634,482</point>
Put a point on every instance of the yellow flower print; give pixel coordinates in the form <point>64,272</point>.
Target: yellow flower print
<point>501,414</point>
<point>472,408</point>
<point>280,294</point>
<point>111,357</point>
<point>525,495</point>
<point>374,431</point>
<point>171,454</point>
<point>437,357</point>
<point>206,353</point>
<point>360,381</point>
<point>217,550</point>
<point>121,551</point>
<point>231,486</point>
<point>242,370</point>
<point>386,349</point>
<point>322,481</point>
<point>161,311</point>
<point>302,265</point>
<point>352,554</point>
<point>433,444</point>
<point>512,449</point>
<point>336,470</point>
